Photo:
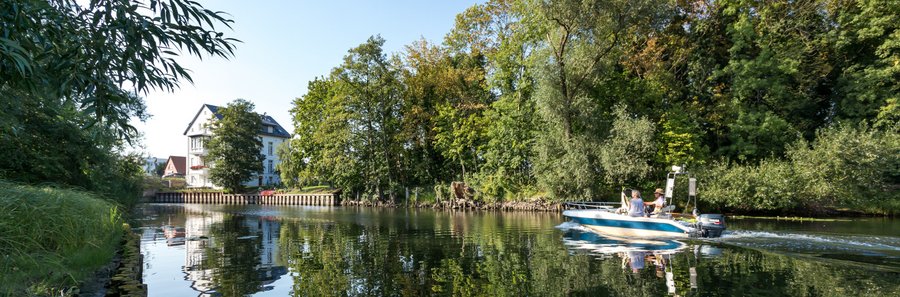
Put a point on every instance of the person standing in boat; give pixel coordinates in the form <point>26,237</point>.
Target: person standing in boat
<point>637,204</point>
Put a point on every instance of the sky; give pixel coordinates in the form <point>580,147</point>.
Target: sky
<point>285,44</point>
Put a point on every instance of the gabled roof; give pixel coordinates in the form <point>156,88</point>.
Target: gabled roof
<point>180,162</point>
<point>214,109</point>
<point>267,121</point>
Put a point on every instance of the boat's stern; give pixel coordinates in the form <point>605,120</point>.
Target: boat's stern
<point>711,225</point>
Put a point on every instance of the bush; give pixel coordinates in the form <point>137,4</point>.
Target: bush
<point>847,166</point>
<point>844,167</point>
<point>765,187</point>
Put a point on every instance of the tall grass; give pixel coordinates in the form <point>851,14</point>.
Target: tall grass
<point>51,238</point>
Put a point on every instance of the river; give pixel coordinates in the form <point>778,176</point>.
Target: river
<point>227,250</point>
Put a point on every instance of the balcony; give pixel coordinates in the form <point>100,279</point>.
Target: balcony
<point>198,151</point>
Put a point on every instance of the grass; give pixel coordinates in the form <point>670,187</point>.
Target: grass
<point>199,190</point>
<point>309,190</point>
<point>887,207</point>
<point>52,238</point>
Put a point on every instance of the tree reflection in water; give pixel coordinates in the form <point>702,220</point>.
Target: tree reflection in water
<point>346,252</point>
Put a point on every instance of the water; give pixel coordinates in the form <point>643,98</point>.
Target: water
<point>323,251</point>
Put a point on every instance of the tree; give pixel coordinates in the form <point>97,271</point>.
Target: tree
<point>234,149</point>
<point>370,87</point>
<point>102,54</point>
<point>160,169</point>
<point>73,72</point>
<point>320,150</point>
<point>626,154</point>
<point>578,83</point>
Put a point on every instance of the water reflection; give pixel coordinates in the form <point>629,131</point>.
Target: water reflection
<point>305,251</point>
<point>635,254</point>
<point>226,254</point>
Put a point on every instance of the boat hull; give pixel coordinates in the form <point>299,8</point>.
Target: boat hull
<point>620,225</point>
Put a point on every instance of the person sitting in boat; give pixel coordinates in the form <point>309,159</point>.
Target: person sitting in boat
<point>659,202</point>
<point>636,204</point>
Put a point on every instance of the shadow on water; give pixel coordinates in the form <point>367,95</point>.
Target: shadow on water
<point>320,251</point>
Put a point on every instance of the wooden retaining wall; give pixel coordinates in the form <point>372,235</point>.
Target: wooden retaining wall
<point>220,198</point>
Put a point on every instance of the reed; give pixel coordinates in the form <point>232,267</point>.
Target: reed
<point>53,238</point>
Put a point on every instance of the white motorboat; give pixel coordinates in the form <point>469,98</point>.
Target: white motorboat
<point>605,218</point>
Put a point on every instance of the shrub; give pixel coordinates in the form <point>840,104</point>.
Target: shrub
<point>848,166</point>
<point>843,167</point>
<point>768,186</point>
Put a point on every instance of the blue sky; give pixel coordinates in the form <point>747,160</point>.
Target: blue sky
<point>285,45</point>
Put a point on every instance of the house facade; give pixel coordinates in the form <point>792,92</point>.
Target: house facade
<point>175,167</point>
<point>199,132</point>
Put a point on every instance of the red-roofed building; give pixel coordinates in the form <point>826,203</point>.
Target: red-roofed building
<point>175,166</point>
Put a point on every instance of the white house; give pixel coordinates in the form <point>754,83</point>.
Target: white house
<point>198,132</point>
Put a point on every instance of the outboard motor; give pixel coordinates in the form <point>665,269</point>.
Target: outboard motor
<point>711,225</point>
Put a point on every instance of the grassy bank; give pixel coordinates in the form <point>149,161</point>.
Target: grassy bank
<point>52,238</point>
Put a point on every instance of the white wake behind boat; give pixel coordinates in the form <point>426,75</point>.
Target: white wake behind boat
<point>603,217</point>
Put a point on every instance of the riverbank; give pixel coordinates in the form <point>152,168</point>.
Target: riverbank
<point>465,204</point>
<point>53,239</point>
<point>545,206</point>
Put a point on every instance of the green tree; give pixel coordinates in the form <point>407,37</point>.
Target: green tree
<point>368,83</point>
<point>578,84</point>
<point>71,75</point>
<point>101,54</point>
<point>320,150</point>
<point>497,29</point>
<point>160,169</point>
<point>234,149</point>
<point>866,39</point>
<point>626,154</point>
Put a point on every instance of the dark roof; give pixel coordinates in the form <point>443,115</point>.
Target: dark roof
<point>277,130</point>
<point>179,164</point>
<point>267,121</point>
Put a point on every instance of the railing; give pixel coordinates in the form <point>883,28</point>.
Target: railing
<point>592,205</point>
<point>221,198</point>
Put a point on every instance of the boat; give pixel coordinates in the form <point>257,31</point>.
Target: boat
<point>606,218</point>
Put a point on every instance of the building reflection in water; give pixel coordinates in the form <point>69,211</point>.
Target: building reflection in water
<point>207,262</point>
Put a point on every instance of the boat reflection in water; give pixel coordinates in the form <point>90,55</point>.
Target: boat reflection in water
<point>640,254</point>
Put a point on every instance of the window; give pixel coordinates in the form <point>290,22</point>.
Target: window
<point>270,148</point>
<point>269,182</point>
<point>271,170</point>
<point>196,143</point>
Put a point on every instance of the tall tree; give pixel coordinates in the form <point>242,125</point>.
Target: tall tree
<point>867,41</point>
<point>579,82</point>
<point>368,83</point>
<point>497,29</point>
<point>234,149</point>
<point>320,150</point>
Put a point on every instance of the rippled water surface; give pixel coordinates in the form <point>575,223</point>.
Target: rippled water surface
<point>217,250</point>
